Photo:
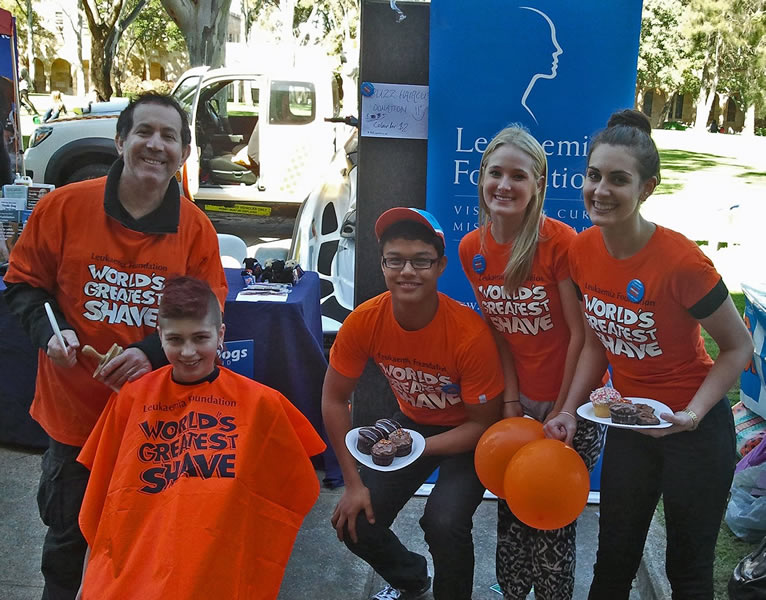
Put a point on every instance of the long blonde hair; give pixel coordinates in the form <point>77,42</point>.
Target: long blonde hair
<point>522,254</point>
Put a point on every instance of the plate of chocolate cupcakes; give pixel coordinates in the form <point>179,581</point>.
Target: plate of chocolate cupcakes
<point>608,407</point>
<point>385,446</point>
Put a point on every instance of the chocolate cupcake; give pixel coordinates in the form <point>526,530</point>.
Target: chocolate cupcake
<point>383,453</point>
<point>623,414</point>
<point>387,426</point>
<point>367,437</point>
<point>402,440</point>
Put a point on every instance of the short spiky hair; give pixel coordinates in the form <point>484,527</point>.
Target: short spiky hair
<point>189,298</point>
<point>125,120</point>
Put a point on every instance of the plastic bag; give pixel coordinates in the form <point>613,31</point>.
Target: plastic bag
<point>748,582</point>
<point>746,512</point>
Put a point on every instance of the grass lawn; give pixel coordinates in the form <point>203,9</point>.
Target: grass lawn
<point>701,176</point>
<point>730,549</point>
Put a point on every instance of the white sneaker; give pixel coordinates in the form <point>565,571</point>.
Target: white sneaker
<point>391,593</point>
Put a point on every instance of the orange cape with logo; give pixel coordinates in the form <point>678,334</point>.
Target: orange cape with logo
<point>196,491</point>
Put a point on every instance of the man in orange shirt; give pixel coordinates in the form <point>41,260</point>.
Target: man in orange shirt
<point>442,364</point>
<point>99,252</point>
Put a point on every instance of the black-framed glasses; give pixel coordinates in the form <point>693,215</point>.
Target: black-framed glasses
<point>397,263</point>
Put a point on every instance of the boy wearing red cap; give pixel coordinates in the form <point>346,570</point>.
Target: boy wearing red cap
<point>442,365</point>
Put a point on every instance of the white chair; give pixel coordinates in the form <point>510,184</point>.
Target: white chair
<point>232,250</point>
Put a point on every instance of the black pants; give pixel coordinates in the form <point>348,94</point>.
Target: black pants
<point>59,497</point>
<point>447,522</point>
<point>692,471</point>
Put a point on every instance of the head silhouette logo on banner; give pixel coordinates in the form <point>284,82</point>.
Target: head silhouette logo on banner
<point>558,68</point>
<point>557,51</point>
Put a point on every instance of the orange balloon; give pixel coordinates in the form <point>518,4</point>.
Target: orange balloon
<point>497,446</point>
<point>547,484</point>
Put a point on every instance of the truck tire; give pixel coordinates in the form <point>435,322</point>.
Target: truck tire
<point>92,171</point>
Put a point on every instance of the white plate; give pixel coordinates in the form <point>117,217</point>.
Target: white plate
<point>418,445</point>
<point>586,412</point>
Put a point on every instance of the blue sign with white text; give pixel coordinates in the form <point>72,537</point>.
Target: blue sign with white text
<point>558,68</point>
<point>238,356</point>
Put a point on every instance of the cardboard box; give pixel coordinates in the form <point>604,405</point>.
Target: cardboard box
<point>752,392</point>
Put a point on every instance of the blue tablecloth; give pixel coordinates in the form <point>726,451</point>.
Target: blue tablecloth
<point>18,367</point>
<point>288,350</point>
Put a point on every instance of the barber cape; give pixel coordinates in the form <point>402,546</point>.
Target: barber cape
<point>196,491</point>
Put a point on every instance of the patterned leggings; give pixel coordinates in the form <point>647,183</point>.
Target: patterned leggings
<point>546,559</point>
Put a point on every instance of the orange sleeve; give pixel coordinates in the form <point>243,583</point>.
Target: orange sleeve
<point>348,356</point>
<point>34,258</point>
<point>204,261</point>
<point>696,276</point>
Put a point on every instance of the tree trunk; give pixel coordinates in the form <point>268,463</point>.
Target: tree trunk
<point>30,45</point>
<point>708,86</point>
<point>204,25</point>
<point>665,112</point>
<point>99,77</point>
<point>749,126</point>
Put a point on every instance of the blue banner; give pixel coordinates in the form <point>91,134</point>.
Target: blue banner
<point>238,356</point>
<point>559,68</point>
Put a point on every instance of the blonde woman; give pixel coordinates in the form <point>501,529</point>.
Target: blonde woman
<point>516,262</point>
<point>57,107</point>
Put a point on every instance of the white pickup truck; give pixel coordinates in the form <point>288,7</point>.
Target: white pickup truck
<point>261,139</point>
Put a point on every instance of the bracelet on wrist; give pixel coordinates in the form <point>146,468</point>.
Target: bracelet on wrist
<point>566,412</point>
<point>511,401</point>
<point>693,415</point>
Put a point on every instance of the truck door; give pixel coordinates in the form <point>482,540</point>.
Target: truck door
<point>185,92</point>
<point>295,144</point>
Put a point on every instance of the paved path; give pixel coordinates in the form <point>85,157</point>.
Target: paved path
<point>320,568</point>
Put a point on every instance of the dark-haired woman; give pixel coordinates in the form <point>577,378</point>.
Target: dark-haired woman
<point>646,290</point>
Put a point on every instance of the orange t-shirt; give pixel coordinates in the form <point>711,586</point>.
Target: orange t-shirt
<point>531,320</point>
<point>641,309</point>
<point>196,491</point>
<point>432,371</point>
<point>107,281</point>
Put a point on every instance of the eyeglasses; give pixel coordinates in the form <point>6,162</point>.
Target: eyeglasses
<point>397,263</point>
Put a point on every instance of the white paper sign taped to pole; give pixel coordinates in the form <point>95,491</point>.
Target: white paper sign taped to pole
<point>395,110</point>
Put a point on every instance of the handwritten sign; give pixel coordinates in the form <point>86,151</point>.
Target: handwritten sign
<point>395,110</point>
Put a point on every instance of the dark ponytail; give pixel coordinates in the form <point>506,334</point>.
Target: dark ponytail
<point>631,129</point>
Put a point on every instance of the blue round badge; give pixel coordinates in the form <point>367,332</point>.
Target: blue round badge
<point>635,290</point>
<point>479,264</point>
<point>367,89</point>
<point>452,388</point>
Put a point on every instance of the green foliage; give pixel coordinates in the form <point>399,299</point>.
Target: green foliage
<point>676,125</point>
<point>662,53</point>
<point>134,86</point>
<point>43,40</point>
<point>152,31</point>
<point>314,22</point>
